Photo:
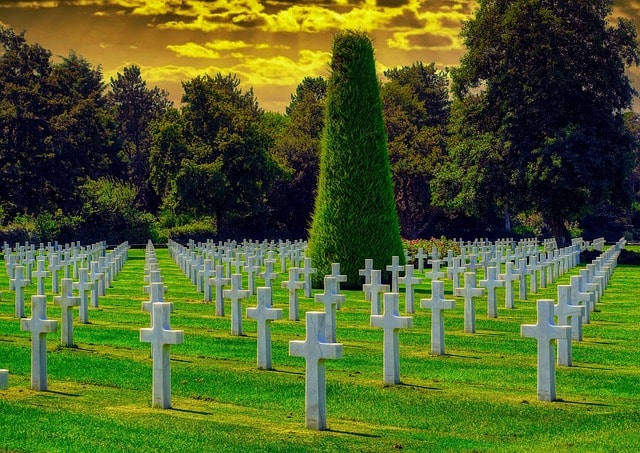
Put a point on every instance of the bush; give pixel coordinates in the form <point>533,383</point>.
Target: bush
<point>427,245</point>
<point>199,230</point>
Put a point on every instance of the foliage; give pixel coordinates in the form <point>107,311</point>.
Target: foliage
<point>354,216</point>
<point>443,245</point>
<point>416,111</point>
<point>199,230</point>
<point>550,83</point>
<point>297,150</point>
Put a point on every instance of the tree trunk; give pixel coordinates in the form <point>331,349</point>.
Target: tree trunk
<point>559,231</point>
<point>507,221</point>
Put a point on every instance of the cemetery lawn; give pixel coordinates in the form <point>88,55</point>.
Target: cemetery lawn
<point>481,396</point>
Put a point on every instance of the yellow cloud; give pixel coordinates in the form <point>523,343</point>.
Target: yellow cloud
<point>32,4</point>
<point>281,70</point>
<point>193,50</point>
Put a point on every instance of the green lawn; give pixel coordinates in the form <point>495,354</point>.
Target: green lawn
<point>481,396</point>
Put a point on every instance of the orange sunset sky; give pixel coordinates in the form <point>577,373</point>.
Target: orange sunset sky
<point>271,45</point>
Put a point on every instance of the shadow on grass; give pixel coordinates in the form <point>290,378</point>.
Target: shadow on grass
<point>581,403</point>
<point>61,393</point>
<point>415,386</point>
<point>457,356</point>
<point>373,436</point>
<point>275,370</point>
<point>189,411</point>
<point>591,367</point>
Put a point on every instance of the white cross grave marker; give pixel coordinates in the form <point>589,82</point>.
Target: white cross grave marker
<point>568,314</point>
<point>315,349</point>
<point>469,292</point>
<point>437,303</point>
<point>161,336</point>
<point>491,283</point>
<point>374,289</point>
<point>409,280</point>
<point>331,299</point>
<point>264,314</point>
<point>66,301</point>
<point>509,276</point>
<point>83,286</point>
<point>40,274</point>
<point>307,271</point>
<point>19,283</point>
<point>236,294</point>
<point>545,331</point>
<point>293,285</point>
<point>366,273</point>
<point>39,326</point>
<point>219,281</point>
<point>395,268</point>
<point>391,322</point>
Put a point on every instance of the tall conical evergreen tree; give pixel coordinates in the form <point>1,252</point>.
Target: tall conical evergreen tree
<point>355,215</point>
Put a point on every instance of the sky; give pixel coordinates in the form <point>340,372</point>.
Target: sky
<point>271,45</point>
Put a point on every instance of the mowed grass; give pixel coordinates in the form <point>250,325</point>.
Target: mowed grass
<point>481,396</point>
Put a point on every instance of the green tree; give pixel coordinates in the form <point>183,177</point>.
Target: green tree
<point>228,172</point>
<point>135,108</point>
<point>297,150</point>
<point>551,83</point>
<point>416,110</point>
<point>355,215</point>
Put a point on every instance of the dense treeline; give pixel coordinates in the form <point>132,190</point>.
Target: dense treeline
<point>531,134</point>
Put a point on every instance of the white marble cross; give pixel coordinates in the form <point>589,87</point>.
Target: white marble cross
<point>219,281</point>
<point>264,314</point>
<point>454,271</point>
<point>161,336</point>
<point>236,294</point>
<point>335,272</point>
<point>268,275</point>
<point>391,322</point>
<point>40,274</point>
<point>420,257</point>
<point>545,331</point>
<point>39,326</point>
<point>409,280</point>
<point>54,267</point>
<point>307,271</point>
<point>252,270</point>
<point>374,289</point>
<point>330,299</point>
<point>509,276</point>
<point>19,283</point>
<point>491,282</point>
<point>204,278</point>
<point>83,286</point>
<point>395,268</point>
<point>66,301</point>
<point>469,292</point>
<point>315,349</point>
<point>568,314</point>
<point>293,285</point>
<point>580,294</point>
<point>523,271</point>
<point>435,273</point>
<point>437,303</point>
<point>366,273</point>
<point>97,277</point>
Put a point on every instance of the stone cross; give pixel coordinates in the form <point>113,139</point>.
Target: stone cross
<point>66,301</point>
<point>161,336</point>
<point>420,257</point>
<point>509,276</point>
<point>568,314</point>
<point>83,286</point>
<point>331,299</point>
<point>54,267</point>
<point>395,268</point>
<point>523,271</point>
<point>391,322</point>
<point>251,269</point>
<point>204,278</point>
<point>39,326</point>
<point>156,294</point>
<point>435,273</point>
<point>19,283</point>
<point>579,294</point>
<point>366,273</point>
<point>469,292</point>
<point>533,270</point>
<point>437,303</point>
<point>409,280</point>
<point>454,271</point>
<point>293,285</point>
<point>374,289</point>
<point>491,282</point>
<point>264,314</point>
<point>236,294</point>
<point>315,349</point>
<point>268,275</point>
<point>307,271</point>
<point>97,278</point>
<point>219,281</point>
<point>335,272</point>
<point>545,331</point>
<point>40,274</point>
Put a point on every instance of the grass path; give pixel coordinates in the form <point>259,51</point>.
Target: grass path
<point>481,396</point>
